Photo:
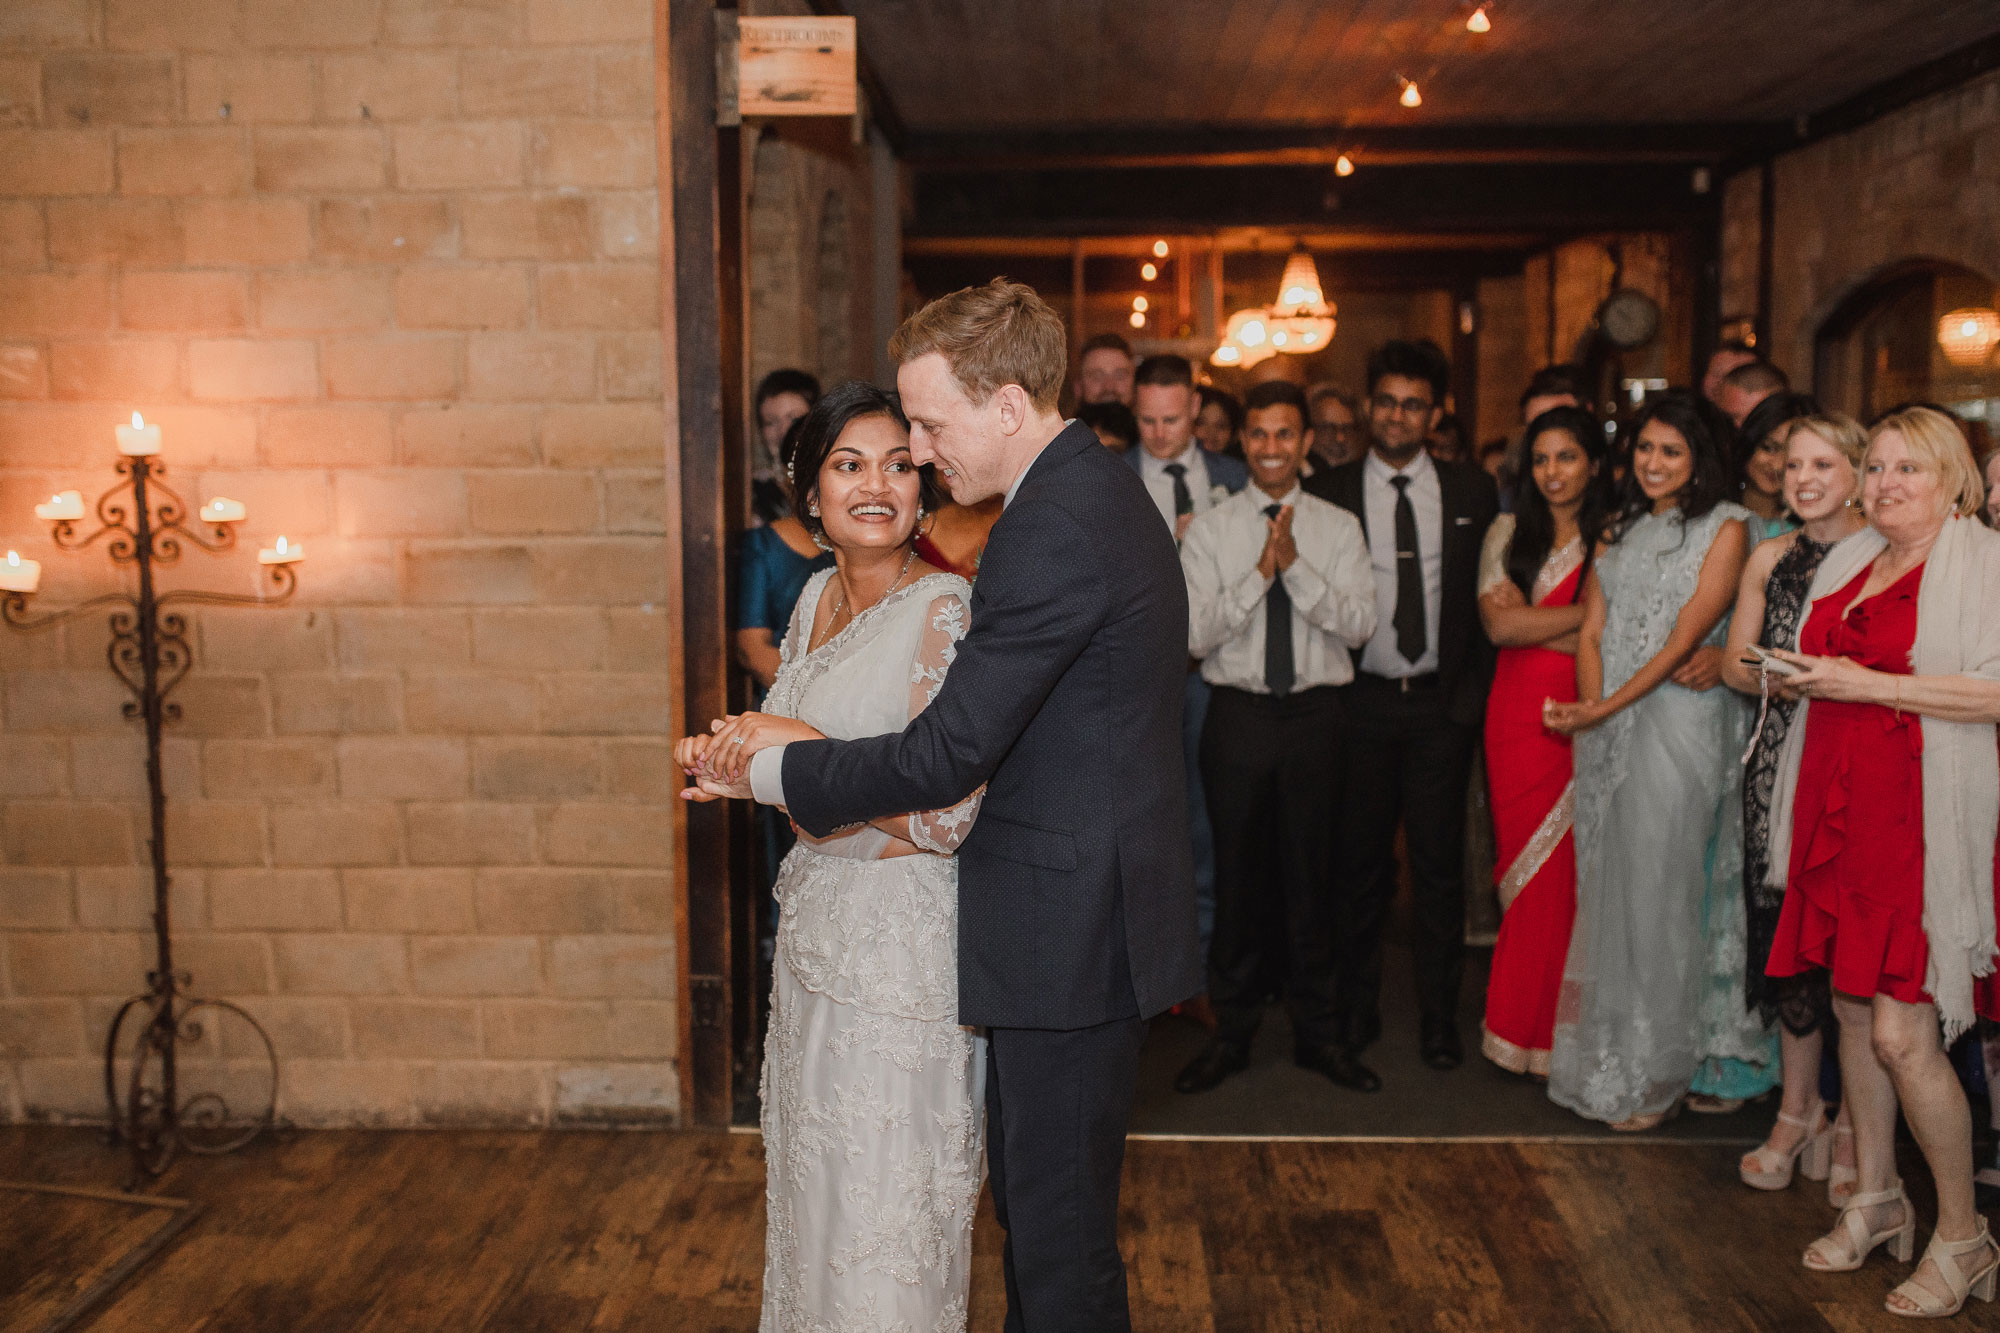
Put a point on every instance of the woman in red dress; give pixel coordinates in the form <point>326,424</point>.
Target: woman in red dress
<point>1531,570</point>
<point>1894,781</point>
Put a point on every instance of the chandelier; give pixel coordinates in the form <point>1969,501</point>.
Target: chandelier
<point>1299,322</point>
<point>1967,337</point>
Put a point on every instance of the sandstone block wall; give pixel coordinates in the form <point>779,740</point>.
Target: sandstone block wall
<point>387,271</point>
<point>1920,183</point>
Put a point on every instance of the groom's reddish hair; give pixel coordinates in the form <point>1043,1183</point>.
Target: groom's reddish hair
<point>991,336</point>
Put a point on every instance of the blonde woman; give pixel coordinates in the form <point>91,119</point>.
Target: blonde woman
<point>1888,799</point>
<point>1821,471</point>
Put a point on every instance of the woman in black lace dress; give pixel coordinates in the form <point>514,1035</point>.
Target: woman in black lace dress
<point>1823,487</point>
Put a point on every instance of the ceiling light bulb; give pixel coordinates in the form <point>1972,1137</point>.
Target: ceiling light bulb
<point>1149,271</point>
<point>1343,165</point>
<point>1159,249</point>
<point>1411,97</point>
<point>1139,303</point>
<point>1479,22</point>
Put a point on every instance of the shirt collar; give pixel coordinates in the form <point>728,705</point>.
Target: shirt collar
<point>1263,501</point>
<point>1415,469</point>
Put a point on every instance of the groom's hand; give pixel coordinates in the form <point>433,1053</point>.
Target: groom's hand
<point>737,738</point>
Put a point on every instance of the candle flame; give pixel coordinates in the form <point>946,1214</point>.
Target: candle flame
<point>13,557</point>
<point>282,548</point>
<point>138,422</point>
<point>55,499</point>
<point>1479,22</point>
<point>1411,97</point>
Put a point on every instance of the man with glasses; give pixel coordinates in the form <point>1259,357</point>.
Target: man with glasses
<point>1419,692</point>
<point>1336,427</point>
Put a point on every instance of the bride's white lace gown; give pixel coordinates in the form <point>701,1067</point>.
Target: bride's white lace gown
<point>874,1096</point>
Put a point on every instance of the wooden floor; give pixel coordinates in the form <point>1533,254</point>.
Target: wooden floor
<point>524,1231</point>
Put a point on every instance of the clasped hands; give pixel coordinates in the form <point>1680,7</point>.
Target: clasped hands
<point>1279,549</point>
<point>718,764</point>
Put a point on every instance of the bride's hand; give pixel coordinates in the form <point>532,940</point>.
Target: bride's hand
<point>688,752</point>
<point>736,739</point>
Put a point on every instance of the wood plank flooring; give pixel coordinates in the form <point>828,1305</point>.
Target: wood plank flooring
<point>607,1231</point>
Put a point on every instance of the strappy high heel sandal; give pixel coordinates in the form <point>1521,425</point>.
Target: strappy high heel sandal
<point>1841,1179</point>
<point>1768,1168</point>
<point>1822,1257</point>
<point>1944,1255</point>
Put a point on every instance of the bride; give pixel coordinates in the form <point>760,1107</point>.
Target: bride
<point>873,1094</point>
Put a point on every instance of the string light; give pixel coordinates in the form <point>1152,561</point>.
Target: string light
<point>1411,97</point>
<point>1159,249</point>
<point>1139,304</point>
<point>1138,320</point>
<point>1149,271</point>
<point>1343,165</point>
<point>1479,22</point>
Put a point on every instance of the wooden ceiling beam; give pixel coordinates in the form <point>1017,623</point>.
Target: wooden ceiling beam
<point>1229,240</point>
<point>1309,145</point>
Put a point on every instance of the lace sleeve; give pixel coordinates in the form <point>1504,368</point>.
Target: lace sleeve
<point>945,624</point>
<point>1493,553</point>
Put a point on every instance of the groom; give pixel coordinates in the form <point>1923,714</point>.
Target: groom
<point>1076,917</point>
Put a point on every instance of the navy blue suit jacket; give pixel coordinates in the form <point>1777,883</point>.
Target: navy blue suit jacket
<point>1076,888</point>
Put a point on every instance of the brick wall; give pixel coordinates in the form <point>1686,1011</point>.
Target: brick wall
<point>387,271</point>
<point>1922,182</point>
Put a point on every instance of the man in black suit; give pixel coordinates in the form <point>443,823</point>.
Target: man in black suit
<point>1418,696</point>
<point>1076,897</point>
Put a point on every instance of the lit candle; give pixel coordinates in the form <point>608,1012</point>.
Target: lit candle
<point>67,505</point>
<point>284,553</point>
<point>220,510</point>
<point>138,439</point>
<point>18,575</point>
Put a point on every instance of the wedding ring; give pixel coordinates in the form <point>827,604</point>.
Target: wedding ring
<point>736,740</point>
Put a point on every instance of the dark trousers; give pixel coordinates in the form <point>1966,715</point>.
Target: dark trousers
<point>1056,1108</point>
<point>1405,760</point>
<point>1271,769</point>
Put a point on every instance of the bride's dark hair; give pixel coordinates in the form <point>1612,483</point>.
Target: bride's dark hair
<point>820,430</point>
<point>1534,525</point>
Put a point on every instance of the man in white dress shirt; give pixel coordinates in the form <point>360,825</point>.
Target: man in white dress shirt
<point>1279,593</point>
<point>1419,693</point>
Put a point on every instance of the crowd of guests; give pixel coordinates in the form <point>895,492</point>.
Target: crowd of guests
<point>1733,671</point>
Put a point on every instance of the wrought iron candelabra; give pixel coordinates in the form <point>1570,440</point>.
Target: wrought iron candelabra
<point>143,525</point>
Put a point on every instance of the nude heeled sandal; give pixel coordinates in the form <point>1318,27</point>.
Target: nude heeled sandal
<point>1944,1254</point>
<point>1902,1237</point>
<point>1767,1168</point>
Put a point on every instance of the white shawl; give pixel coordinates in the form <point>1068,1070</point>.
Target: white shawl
<point>1958,634</point>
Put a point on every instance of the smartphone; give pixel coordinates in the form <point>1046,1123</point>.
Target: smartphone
<point>1777,666</point>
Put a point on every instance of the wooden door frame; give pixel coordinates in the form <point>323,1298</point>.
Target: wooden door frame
<point>702,306</point>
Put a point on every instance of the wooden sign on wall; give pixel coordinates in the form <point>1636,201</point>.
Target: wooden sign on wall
<point>795,66</point>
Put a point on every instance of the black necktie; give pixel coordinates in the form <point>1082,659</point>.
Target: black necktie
<point>1183,497</point>
<point>1278,671</point>
<point>1409,619</point>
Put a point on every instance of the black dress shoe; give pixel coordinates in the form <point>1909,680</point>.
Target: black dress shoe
<point>1441,1047</point>
<point>1217,1061</point>
<point>1342,1066</point>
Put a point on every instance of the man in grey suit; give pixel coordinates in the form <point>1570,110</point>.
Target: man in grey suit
<point>1076,901</point>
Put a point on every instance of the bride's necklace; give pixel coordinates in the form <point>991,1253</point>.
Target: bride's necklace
<point>833,616</point>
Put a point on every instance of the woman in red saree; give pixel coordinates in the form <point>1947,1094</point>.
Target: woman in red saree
<point>1531,570</point>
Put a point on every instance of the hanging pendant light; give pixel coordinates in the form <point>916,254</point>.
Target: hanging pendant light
<point>1478,22</point>
<point>1299,322</point>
